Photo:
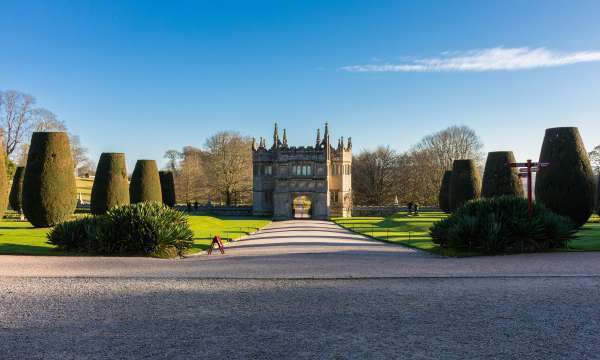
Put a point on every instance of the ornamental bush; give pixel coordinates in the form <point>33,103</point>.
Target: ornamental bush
<point>502,225</point>
<point>145,183</point>
<point>167,187</point>
<point>499,178</point>
<point>15,198</point>
<point>567,185</point>
<point>148,229</point>
<point>49,190</point>
<point>111,187</point>
<point>465,183</point>
<point>444,196</point>
<point>3,183</point>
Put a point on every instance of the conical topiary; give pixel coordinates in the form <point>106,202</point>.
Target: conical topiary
<point>444,196</point>
<point>111,187</point>
<point>465,183</point>
<point>49,189</point>
<point>145,182</point>
<point>3,180</point>
<point>499,178</point>
<point>15,198</point>
<point>167,187</point>
<point>566,186</point>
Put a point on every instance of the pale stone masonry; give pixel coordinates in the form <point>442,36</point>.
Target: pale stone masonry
<point>284,175</point>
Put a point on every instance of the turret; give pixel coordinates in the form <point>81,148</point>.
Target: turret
<point>318,145</point>
<point>285,143</point>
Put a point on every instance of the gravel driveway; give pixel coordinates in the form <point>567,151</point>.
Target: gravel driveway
<point>301,291</point>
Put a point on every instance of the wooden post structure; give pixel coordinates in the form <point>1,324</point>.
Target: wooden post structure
<point>526,169</point>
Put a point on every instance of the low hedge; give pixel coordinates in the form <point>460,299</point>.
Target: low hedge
<point>501,225</point>
<point>149,229</point>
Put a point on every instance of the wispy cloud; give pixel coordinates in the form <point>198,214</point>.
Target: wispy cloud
<point>493,59</point>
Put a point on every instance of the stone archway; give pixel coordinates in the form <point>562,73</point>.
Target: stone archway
<point>302,206</point>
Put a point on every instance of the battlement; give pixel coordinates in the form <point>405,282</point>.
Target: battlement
<point>319,174</point>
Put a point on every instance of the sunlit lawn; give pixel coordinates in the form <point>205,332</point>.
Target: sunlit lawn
<point>19,237</point>
<point>413,231</point>
<point>401,228</point>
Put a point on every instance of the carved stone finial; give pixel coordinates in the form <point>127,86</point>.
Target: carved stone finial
<point>253,144</point>
<point>285,143</point>
<point>318,138</point>
<point>349,143</point>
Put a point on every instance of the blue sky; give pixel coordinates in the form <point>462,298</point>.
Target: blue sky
<point>146,76</point>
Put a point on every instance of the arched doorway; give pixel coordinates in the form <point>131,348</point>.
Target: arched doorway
<point>302,207</point>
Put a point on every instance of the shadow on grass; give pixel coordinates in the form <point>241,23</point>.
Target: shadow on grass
<point>23,249</point>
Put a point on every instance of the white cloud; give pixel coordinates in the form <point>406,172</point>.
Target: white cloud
<point>493,59</point>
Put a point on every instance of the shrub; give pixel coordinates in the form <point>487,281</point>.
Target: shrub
<point>140,229</point>
<point>3,182</point>
<point>111,187</point>
<point>499,178</point>
<point>501,225</point>
<point>49,191</point>
<point>465,183</point>
<point>444,196</point>
<point>145,183</point>
<point>567,185</point>
<point>15,198</point>
<point>167,187</point>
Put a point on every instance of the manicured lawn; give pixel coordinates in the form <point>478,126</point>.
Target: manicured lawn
<point>413,231</point>
<point>228,227</point>
<point>19,237</point>
<point>401,228</point>
<point>588,237</point>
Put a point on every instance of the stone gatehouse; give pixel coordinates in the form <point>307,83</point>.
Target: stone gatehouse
<point>302,182</point>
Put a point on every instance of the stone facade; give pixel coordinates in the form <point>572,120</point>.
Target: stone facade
<point>320,173</point>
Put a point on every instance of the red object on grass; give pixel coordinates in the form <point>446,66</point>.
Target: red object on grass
<point>216,240</point>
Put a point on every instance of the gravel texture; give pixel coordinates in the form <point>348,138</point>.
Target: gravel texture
<point>74,318</point>
<point>304,290</point>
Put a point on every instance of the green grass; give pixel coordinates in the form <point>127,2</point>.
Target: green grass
<point>20,238</point>
<point>413,231</point>
<point>588,237</point>
<point>228,227</point>
<point>401,228</point>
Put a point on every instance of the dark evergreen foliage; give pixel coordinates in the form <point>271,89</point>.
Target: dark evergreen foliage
<point>49,189</point>
<point>465,183</point>
<point>16,191</point>
<point>167,187</point>
<point>3,181</point>
<point>566,186</point>
<point>499,178</point>
<point>444,196</point>
<point>111,187</point>
<point>140,229</point>
<point>145,183</point>
<point>502,225</point>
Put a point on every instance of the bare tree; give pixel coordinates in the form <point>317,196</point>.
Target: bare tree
<point>190,182</point>
<point>16,111</point>
<point>374,176</point>
<point>45,120</point>
<point>229,167</point>
<point>595,159</point>
<point>172,157</point>
<point>454,142</point>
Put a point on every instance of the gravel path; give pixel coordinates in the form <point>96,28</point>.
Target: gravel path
<point>301,290</point>
<point>524,318</point>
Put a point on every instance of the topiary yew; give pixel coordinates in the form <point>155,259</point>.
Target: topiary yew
<point>49,189</point>
<point>111,187</point>
<point>3,182</point>
<point>444,196</point>
<point>566,186</point>
<point>145,183</point>
<point>465,183</point>
<point>15,198</point>
<point>499,178</point>
<point>167,187</point>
